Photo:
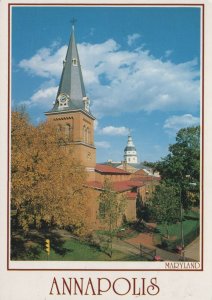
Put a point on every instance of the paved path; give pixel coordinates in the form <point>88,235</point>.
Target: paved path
<point>131,246</point>
<point>128,248</point>
<point>125,247</point>
<point>193,249</point>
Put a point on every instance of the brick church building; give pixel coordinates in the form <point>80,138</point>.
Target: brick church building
<point>71,114</point>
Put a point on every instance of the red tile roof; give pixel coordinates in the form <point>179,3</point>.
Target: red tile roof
<point>119,186</point>
<point>135,182</point>
<point>145,178</point>
<point>142,172</point>
<point>95,184</point>
<point>111,170</point>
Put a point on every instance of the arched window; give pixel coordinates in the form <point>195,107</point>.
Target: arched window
<point>60,134</point>
<point>59,131</point>
<point>71,129</point>
<point>68,132</point>
<point>74,61</point>
<point>84,134</point>
<point>87,135</point>
<point>59,128</point>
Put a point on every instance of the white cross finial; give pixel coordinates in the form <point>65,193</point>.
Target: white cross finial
<point>129,129</point>
<point>73,21</point>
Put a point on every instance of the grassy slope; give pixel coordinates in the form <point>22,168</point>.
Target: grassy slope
<point>74,250</point>
<point>190,222</point>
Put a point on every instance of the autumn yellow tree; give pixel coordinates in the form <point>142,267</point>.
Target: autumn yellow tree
<point>47,182</point>
<point>111,211</point>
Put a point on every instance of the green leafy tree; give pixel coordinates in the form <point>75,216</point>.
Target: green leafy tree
<point>165,205</point>
<point>181,167</point>
<point>111,210</point>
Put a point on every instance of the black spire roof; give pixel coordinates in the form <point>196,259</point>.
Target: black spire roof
<point>71,82</point>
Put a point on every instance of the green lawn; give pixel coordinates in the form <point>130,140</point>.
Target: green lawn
<point>190,224</point>
<point>79,251</point>
<point>70,250</point>
<point>175,229</point>
<point>66,248</point>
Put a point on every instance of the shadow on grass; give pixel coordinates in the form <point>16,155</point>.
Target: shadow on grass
<point>191,218</point>
<point>31,246</point>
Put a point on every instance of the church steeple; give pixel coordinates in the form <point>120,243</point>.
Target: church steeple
<point>71,93</point>
<point>71,82</point>
<point>71,113</point>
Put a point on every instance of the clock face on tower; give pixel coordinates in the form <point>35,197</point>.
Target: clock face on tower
<point>63,99</point>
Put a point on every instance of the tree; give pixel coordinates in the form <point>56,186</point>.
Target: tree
<point>111,209</point>
<point>165,205</point>
<point>181,166</point>
<point>47,182</point>
<point>139,208</point>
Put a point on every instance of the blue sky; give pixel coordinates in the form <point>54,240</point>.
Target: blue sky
<point>140,65</point>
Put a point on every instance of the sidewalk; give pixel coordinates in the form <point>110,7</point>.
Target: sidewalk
<point>193,250</point>
<point>128,248</point>
<point>132,246</point>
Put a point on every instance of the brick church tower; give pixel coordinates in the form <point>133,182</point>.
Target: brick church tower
<point>71,110</point>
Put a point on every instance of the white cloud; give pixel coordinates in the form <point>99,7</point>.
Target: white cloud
<point>132,38</point>
<point>111,130</point>
<point>126,81</point>
<point>103,144</point>
<point>46,62</point>
<point>44,97</point>
<point>119,81</point>
<point>44,94</point>
<point>175,123</point>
